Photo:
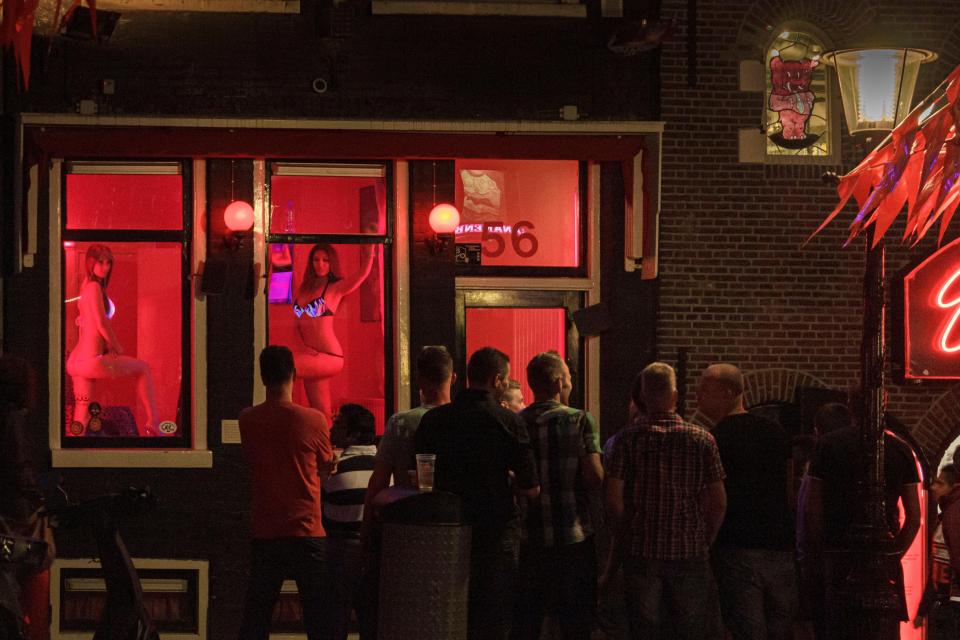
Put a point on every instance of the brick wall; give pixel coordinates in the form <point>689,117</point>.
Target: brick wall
<point>737,284</point>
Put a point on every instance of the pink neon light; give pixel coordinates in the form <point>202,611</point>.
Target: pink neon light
<point>954,304</point>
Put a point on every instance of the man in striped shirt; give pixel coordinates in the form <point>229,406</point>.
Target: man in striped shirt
<point>342,500</point>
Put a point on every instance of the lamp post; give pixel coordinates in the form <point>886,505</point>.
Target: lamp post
<point>876,87</point>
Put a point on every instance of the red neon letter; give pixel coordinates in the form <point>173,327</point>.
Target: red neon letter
<point>955,304</point>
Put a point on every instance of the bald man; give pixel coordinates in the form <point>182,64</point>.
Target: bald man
<point>753,552</point>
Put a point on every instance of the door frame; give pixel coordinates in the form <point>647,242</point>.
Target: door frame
<point>525,299</point>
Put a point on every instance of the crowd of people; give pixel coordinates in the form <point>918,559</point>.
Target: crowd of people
<point>734,531</point>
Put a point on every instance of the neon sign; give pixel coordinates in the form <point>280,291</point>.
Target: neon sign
<point>931,307</point>
<point>955,303</point>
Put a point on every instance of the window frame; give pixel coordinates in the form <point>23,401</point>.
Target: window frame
<point>832,95</point>
<point>329,168</point>
<point>200,569</point>
<point>584,233</point>
<point>188,450</point>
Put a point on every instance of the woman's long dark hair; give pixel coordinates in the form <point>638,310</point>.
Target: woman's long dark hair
<point>311,280</point>
<point>96,253</point>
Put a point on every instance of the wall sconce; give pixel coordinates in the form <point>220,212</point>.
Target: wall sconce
<point>444,220</point>
<point>238,216</point>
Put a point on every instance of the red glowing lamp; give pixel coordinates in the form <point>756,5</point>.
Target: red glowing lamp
<point>238,216</point>
<point>444,220</point>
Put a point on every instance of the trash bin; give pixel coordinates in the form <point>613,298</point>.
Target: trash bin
<point>424,569</point>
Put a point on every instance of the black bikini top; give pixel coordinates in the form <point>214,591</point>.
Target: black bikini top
<point>316,308</point>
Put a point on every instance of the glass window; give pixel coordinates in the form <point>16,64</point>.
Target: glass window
<point>106,197</point>
<point>169,596</point>
<point>521,333</point>
<point>327,296</point>
<point>798,110</point>
<point>317,199</point>
<point>519,213</point>
<point>125,309</point>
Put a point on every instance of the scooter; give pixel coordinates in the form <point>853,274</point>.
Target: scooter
<point>124,616</point>
<point>17,554</point>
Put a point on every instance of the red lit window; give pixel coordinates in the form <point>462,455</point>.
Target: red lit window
<point>126,309</point>
<point>326,286</point>
<point>319,199</point>
<point>107,197</point>
<point>519,213</point>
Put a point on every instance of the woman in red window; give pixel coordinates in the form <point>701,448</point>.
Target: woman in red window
<point>318,298</point>
<point>98,354</point>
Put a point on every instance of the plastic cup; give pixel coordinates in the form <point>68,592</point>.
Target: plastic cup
<point>425,466</point>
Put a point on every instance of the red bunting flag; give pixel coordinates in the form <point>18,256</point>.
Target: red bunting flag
<point>917,165</point>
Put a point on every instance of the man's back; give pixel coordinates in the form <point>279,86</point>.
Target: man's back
<point>755,453</point>
<point>396,447</point>
<point>559,437</point>
<point>283,444</point>
<point>665,463</point>
<point>839,462</point>
<point>476,443</point>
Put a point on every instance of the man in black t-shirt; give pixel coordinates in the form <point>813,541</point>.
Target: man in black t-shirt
<point>478,444</point>
<point>832,508</point>
<point>753,552</point>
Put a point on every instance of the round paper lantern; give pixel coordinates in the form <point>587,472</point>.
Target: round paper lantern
<point>444,218</point>
<point>238,216</point>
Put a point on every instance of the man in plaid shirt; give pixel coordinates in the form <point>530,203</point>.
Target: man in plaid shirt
<point>666,499</point>
<point>558,563</point>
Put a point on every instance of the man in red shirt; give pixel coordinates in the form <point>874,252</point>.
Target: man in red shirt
<point>289,452</point>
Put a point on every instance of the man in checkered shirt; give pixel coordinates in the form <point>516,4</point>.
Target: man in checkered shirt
<point>666,499</point>
<point>558,563</point>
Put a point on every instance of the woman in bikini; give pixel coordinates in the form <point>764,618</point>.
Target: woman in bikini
<point>97,354</point>
<point>318,298</point>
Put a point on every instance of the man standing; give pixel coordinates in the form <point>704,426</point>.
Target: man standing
<point>288,450</point>
<point>513,397</point>
<point>834,510</point>
<point>667,517</point>
<point>753,554</point>
<point>478,444</point>
<point>435,377</point>
<point>940,601</point>
<point>558,562</point>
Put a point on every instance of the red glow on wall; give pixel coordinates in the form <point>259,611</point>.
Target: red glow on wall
<point>521,333</point>
<point>931,315</point>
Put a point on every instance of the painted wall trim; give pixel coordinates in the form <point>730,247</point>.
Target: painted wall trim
<point>612,127</point>
<point>439,8</point>
<point>132,458</point>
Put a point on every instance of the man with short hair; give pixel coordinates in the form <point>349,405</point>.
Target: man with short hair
<point>558,560</point>
<point>667,517</point>
<point>512,398</point>
<point>478,445</point>
<point>435,377</point>
<point>288,450</point>
<point>941,601</point>
<point>838,466</point>
<point>753,553</point>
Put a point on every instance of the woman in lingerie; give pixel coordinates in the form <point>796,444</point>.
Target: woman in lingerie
<point>318,298</point>
<point>98,354</point>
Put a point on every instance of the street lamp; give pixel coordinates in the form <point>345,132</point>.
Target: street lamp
<point>876,86</point>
